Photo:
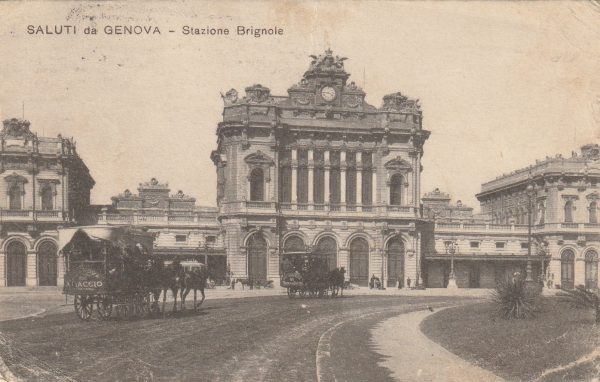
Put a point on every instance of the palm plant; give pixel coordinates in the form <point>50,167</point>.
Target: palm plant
<point>583,299</point>
<point>516,299</point>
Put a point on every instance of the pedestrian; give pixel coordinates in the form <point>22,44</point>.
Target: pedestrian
<point>408,281</point>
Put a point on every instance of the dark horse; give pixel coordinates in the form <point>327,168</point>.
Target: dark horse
<point>336,279</point>
<point>194,278</point>
<point>164,278</point>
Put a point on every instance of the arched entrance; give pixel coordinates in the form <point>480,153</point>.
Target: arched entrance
<point>16,261</point>
<point>567,269</point>
<point>257,258</point>
<point>591,269</point>
<point>359,262</point>
<point>327,247</point>
<point>47,271</point>
<point>395,261</point>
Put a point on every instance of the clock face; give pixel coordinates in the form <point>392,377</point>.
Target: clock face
<point>328,93</point>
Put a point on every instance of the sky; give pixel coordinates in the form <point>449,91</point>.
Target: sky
<point>501,84</point>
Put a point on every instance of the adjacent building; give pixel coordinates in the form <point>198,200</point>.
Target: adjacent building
<point>554,202</point>
<point>320,168</point>
<point>182,229</point>
<point>46,185</point>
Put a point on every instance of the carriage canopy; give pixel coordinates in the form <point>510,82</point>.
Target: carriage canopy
<point>126,237</point>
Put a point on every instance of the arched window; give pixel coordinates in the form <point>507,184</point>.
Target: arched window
<point>591,270</point>
<point>567,269</point>
<point>257,257</point>
<point>593,212</point>
<point>47,269</point>
<point>359,261</point>
<point>15,195</point>
<point>396,190</point>
<point>47,198</point>
<point>395,261</point>
<point>16,261</point>
<point>257,185</point>
<point>327,247</point>
<point>294,244</point>
<point>569,211</point>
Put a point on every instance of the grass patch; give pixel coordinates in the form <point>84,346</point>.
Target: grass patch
<point>517,349</point>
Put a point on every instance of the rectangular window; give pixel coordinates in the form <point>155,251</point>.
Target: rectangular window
<point>474,244</point>
<point>351,186</point>
<point>180,238</point>
<point>524,245</point>
<point>500,244</point>
<point>211,239</point>
<point>319,186</point>
<point>302,185</point>
<point>367,179</point>
<point>334,185</point>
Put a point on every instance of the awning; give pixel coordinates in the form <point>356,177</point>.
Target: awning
<point>113,234</point>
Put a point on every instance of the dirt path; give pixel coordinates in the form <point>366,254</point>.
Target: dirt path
<point>411,356</point>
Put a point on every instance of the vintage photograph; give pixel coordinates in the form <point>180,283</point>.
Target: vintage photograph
<point>299,191</point>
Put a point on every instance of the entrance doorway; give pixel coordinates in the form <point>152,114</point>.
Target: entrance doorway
<point>16,261</point>
<point>567,269</point>
<point>257,258</point>
<point>395,262</point>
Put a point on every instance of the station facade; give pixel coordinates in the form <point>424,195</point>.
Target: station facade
<point>321,169</point>
<point>45,185</point>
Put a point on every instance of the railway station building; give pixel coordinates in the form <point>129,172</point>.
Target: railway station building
<point>45,185</point>
<point>321,169</point>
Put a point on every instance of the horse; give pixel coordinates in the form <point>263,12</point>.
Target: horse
<point>336,279</point>
<point>168,278</point>
<point>194,277</point>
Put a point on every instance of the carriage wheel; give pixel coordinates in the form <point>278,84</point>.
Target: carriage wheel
<point>291,292</point>
<point>302,293</point>
<point>83,306</point>
<point>312,293</point>
<point>104,307</point>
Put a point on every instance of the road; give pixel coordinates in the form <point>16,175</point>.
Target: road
<point>252,339</point>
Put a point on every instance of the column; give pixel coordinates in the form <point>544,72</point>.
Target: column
<point>2,270</point>
<point>294,175</point>
<point>31,269</point>
<point>326,176</point>
<point>343,177</point>
<point>359,179</point>
<point>374,188</point>
<point>311,167</point>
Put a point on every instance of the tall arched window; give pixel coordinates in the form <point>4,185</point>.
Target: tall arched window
<point>327,247</point>
<point>593,212</point>
<point>47,198</point>
<point>257,179</point>
<point>47,269</point>
<point>396,190</point>
<point>591,270</point>
<point>257,257</point>
<point>395,261</point>
<point>569,211</point>
<point>16,263</point>
<point>359,261</point>
<point>14,195</point>
<point>567,269</point>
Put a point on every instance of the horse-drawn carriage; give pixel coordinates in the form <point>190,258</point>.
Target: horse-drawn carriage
<point>112,270</point>
<point>108,268</point>
<point>308,274</point>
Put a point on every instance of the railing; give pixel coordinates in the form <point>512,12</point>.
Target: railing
<point>367,208</point>
<point>303,207</point>
<point>260,204</point>
<point>30,215</point>
<point>319,207</point>
<point>569,225</point>
<point>351,208</point>
<point>335,207</point>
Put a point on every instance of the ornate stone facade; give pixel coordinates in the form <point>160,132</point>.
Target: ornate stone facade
<point>560,194</point>
<point>45,185</point>
<point>321,168</point>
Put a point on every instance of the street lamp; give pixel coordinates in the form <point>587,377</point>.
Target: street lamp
<point>531,192</point>
<point>451,248</point>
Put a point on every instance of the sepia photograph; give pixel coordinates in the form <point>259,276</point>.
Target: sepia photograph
<point>299,191</point>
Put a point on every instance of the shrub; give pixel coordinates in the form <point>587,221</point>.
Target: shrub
<point>516,299</point>
<point>582,298</point>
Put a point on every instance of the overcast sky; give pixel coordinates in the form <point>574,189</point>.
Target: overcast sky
<point>501,84</point>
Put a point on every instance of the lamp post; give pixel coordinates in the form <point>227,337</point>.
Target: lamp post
<point>451,248</point>
<point>531,192</point>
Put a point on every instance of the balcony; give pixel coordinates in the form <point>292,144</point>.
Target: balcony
<point>518,228</point>
<point>31,215</point>
<point>194,220</point>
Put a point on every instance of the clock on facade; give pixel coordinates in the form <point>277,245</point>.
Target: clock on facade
<point>328,93</point>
